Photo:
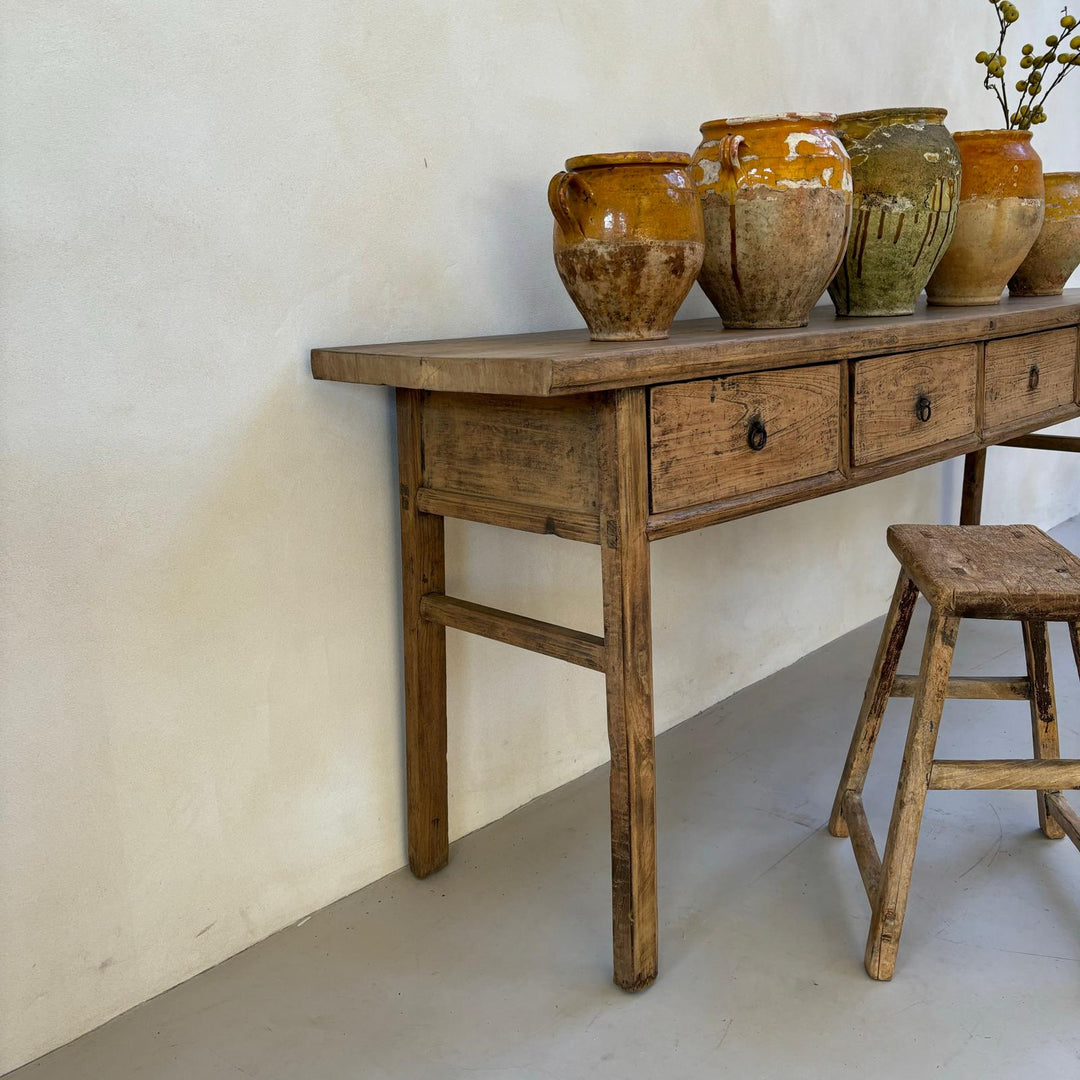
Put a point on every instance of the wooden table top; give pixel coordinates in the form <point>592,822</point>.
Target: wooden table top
<point>567,362</point>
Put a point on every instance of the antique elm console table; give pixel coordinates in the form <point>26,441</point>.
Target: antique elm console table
<point>620,444</point>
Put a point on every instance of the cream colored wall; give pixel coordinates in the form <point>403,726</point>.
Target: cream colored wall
<point>201,702</point>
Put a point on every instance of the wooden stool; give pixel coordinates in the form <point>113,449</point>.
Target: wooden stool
<point>974,571</point>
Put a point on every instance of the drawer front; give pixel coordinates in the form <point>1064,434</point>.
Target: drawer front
<point>715,439</point>
<point>909,401</point>
<point>1026,376</point>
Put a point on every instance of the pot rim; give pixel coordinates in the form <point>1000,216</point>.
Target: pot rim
<point>771,118</point>
<point>1068,172</point>
<point>935,112</point>
<point>1024,136</point>
<point>628,157</point>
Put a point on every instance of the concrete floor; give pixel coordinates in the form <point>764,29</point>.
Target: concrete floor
<point>499,967</point>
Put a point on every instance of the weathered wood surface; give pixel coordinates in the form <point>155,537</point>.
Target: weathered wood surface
<point>875,699</point>
<point>539,452</point>
<point>1044,724</point>
<point>573,646</point>
<point>1028,376</point>
<point>700,434</point>
<point>1065,816</point>
<point>990,688</point>
<point>1005,774</point>
<point>885,419</point>
<point>887,918</point>
<point>624,558</point>
<point>567,362</point>
<point>549,520</point>
<point>972,493</point>
<point>862,843</point>
<point>423,571</point>
<point>990,571</point>
<point>1070,444</point>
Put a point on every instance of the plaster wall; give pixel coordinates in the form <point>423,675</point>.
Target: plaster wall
<point>201,679</point>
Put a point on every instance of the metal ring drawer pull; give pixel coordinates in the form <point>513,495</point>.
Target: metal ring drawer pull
<point>1033,377</point>
<point>756,435</point>
<point>923,408</point>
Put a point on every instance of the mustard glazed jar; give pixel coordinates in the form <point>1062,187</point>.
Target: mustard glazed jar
<point>1056,252</point>
<point>776,196</point>
<point>629,240</point>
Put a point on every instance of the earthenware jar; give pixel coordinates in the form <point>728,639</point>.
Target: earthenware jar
<point>629,240</point>
<point>905,171</point>
<point>1056,252</point>
<point>776,194</point>
<point>999,217</point>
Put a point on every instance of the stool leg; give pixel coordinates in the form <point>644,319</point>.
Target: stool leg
<point>887,919</point>
<point>1044,728</point>
<point>878,689</point>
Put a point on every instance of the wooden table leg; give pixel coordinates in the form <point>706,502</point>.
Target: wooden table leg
<point>971,498</point>
<point>624,499</point>
<point>1044,723</point>
<point>423,570</point>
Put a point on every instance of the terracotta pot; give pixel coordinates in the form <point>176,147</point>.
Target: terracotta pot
<point>629,240</point>
<point>776,194</point>
<point>999,217</point>
<point>905,171</point>
<point>1056,253</point>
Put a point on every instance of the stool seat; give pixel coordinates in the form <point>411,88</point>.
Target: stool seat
<point>990,571</point>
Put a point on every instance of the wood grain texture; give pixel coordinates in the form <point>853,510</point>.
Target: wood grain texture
<point>423,571</point>
<point>887,918</point>
<point>547,520</point>
<point>1044,725</point>
<point>624,494</point>
<point>1065,816</point>
<point>886,390</point>
<point>567,362</point>
<point>573,646</point>
<point>875,699</point>
<point>522,450</point>
<point>989,688</point>
<point>699,434</point>
<point>1028,376</point>
<point>1005,774</point>
<point>971,496</point>
<point>862,843</point>
<point>1070,444</point>
<point>990,571</point>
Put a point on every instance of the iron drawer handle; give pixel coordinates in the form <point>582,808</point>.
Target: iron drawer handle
<point>1033,377</point>
<point>756,436</point>
<point>923,408</point>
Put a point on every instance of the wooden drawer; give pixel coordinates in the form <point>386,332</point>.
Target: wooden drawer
<point>886,420</point>
<point>1027,376</point>
<point>700,434</point>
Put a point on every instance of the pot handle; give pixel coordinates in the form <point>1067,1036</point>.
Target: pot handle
<point>559,201</point>
<point>729,148</point>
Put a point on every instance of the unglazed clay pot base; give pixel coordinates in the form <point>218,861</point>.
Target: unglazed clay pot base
<point>776,196</point>
<point>629,290</point>
<point>1056,253</point>
<point>628,240</point>
<point>905,174</point>
<point>999,217</point>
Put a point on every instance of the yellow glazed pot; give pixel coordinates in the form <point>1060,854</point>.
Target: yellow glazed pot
<point>629,240</point>
<point>776,195</point>
<point>1056,252</point>
<point>998,218</point>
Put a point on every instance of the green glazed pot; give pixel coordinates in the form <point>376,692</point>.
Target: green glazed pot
<point>905,171</point>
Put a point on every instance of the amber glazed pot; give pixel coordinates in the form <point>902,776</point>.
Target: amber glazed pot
<point>776,195</point>
<point>1056,252</point>
<point>905,170</point>
<point>999,217</point>
<point>629,240</point>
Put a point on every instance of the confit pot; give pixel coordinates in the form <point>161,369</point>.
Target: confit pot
<point>999,217</point>
<point>628,240</point>
<point>1056,252</point>
<point>776,195</point>
<point>905,171</point>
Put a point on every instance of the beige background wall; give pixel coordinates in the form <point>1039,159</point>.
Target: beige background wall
<point>201,704</point>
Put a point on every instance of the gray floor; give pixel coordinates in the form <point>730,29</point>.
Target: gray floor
<point>499,966</point>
